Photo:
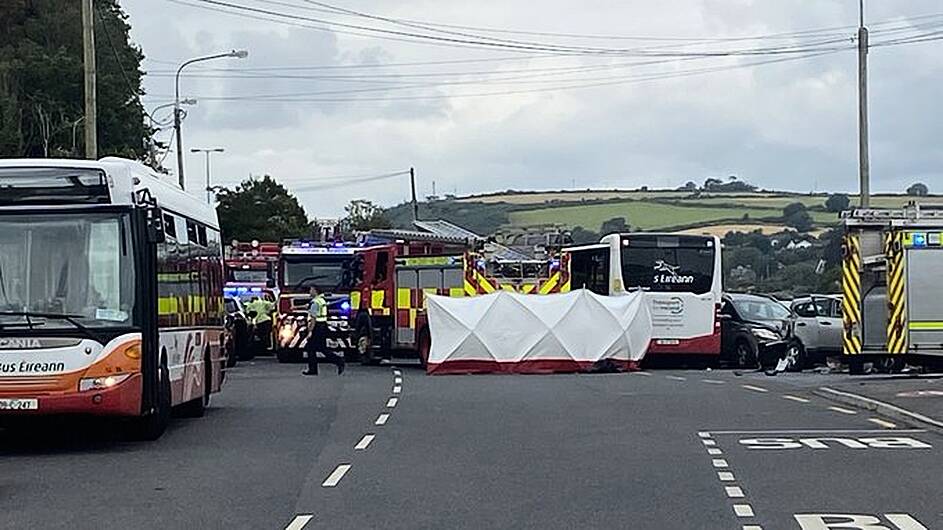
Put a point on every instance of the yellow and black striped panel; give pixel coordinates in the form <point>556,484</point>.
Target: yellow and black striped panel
<point>896,293</point>
<point>851,295</point>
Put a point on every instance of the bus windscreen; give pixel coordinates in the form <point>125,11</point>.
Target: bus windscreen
<point>669,264</point>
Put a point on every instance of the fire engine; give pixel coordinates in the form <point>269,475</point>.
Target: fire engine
<point>250,268</point>
<point>392,280</point>
<point>892,299</point>
<point>304,264</point>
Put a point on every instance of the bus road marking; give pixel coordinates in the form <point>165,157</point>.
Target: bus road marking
<point>299,522</point>
<point>392,402</point>
<point>797,399</point>
<point>755,388</point>
<point>381,419</point>
<point>335,477</point>
<point>364,442</point>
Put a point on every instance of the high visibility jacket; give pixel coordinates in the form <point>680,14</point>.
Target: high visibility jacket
<point>263,310</point>
<point>318,308</point>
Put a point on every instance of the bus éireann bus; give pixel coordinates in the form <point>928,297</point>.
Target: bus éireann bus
<point>680,275</point>
<point>111,285</point>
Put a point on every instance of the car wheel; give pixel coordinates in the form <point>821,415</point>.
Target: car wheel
<point>797,356</point>
<point>746,354</point>
<point>365,346</point>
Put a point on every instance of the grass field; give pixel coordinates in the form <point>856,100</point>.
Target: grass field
<point>572,196</point>
<point>644,215</point>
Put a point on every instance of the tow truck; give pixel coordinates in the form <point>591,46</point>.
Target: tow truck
<point>892,296</point>
<point>304,264</point>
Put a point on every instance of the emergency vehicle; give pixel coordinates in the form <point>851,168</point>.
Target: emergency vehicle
<point>892,296</point>
<point>304,264</point>
<point>392,281</point>
<point>250,268</point>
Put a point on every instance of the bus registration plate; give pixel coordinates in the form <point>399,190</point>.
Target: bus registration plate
<point>19,404</point>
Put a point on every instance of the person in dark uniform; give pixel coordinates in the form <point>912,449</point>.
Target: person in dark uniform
<point>317,338</point>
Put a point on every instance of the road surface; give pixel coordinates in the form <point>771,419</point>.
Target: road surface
<point>391,447</point>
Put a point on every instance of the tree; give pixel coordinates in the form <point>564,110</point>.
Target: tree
<point>615,225</point>
<point>711,183</point>
<point>837,202</point>
<point>581,236</point>
<point>796,216</point>
<point>363,215</point>
<point>689,186</point>
<point>918,189</point>
<point>41,81</point>
<point>260,209</point>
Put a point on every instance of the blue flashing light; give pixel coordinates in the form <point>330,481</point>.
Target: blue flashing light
<point>345,306</point>
<point>554,263</point>
<point>256,289</point>
<point>920,239</point>
<point>305,245</point>
<point>338,244</point>
<point>480,264</point>
<point>229,290</point>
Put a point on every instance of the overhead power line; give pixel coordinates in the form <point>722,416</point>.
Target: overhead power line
<point>323,183</point>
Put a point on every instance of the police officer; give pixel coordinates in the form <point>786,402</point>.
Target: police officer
<point>317,340</point>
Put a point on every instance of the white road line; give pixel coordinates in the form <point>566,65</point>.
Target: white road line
<point>397,389</point>
<point>381,419</point>
<point>725,476</point>
<point>719,463</point>
<point>734,492</point>
<point>336,476</point>
<point>713,381</point>
<point>752,527</point>
<point>708,442</point>
<point>392,402</point>
<point>397,380</point>
<point>397,372</point>
<point>364,442</point>
<point>755,388</point>
<point>797,399</point>
<point>842,410</point>
<point>641,373</point>
<point>299,522</point>
<point>676,378</point>
<point>743,510</point>
<point>714,451</point>
<point>883,423</point>
<point>703,434</point>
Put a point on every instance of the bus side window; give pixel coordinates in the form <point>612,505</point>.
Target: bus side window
<point>170,226</point>
<point>191,233</point>
<point>201,235</point>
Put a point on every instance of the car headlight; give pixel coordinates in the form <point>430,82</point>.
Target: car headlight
<point>101,383</point>
<point>765,334</point>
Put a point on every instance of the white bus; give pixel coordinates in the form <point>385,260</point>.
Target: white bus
<point>111,283</point>
<point>680,274</point>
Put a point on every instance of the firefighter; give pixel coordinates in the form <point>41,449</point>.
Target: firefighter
<point>317,340</point>
<point>263,308</point>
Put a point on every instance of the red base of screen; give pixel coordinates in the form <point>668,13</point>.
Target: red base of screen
<point>705,345</point>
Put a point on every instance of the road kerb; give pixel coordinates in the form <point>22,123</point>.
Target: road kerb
<point>880,407</point>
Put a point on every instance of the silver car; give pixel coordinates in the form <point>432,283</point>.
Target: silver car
<point>818,325</point>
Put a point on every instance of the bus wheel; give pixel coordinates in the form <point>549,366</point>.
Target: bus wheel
<point>152,426</point>
<point>196,408</point>
<point>424,345</point>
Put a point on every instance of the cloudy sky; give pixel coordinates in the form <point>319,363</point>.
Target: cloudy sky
<point>653,98</point>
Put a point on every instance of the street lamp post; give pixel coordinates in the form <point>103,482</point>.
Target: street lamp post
<point>207,151</point>
<point>239,54</point>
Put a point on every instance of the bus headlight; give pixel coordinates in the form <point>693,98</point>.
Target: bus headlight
<point>102,383</point>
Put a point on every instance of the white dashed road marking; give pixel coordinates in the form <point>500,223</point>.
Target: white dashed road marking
<point>743,510</point>
<point>734,492</point>
<point>299,522</point>
<point>397,372</point>
<point>752,527</point>
<point>703,434</point>
<point>382,419</point>
<point>676,378</point>
<point>335,477</point>
<point>797,399</point>
<point>843,410</point>
<point>883,423</point>
<point>719,462</point>
<point>708,442</point>
<point>714,451</point>
<point>713,381</point>
<point>725,476</point>
<point>392,402</point>
<point>641,373</point>
<point>397,389</point>
<point>755,388</point>
<point>364,442</point>
<point>398,380</point>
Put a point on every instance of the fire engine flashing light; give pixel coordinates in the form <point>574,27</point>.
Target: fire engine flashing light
<point>919,239</point>
<point>345,306</point>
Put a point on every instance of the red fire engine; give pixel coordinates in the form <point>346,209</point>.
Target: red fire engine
<point>391,282</point>
<point>251,268</point>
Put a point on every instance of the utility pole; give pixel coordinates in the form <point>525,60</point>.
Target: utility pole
<point>91,108</point>
<point>209,188</point>
<point>412,183</point>
<point>864,164</point>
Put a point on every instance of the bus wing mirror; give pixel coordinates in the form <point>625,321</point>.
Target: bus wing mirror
<point>154,221</point>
